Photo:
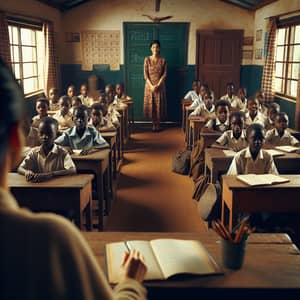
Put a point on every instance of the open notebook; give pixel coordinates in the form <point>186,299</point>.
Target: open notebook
<point>231,153</point>
<point>287,148</point>
<point>164,258</point>
<point>261,179</point>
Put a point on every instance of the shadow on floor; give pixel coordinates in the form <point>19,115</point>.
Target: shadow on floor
<point>127,181</point>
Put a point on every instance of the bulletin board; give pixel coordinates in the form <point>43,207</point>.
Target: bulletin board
<point>100,47</point>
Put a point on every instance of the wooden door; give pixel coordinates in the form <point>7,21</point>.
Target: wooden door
<point>173,38</point>
<point>219,55</point>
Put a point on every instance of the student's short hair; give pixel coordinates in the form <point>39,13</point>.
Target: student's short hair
<point>274,106</point>
<point>237,114</point>
<point>48,121</point>
<point>84,84</point>
<point>205,85</point>
<point>81,108</point>
<point>97,106</point>
<point>65,99</point>
<point>255,127</point>
<point>252,99</point>
<point>71,86</point>
<point>43,100</point>
<point>54,89</point>
<point>222,103</point>
<point>281,115</point>
<point>230,84</point>
<point>11,105</point>
<point>109,85</point>
<point>77,99</point>
<point>120,84</point>
<point>154,42</point>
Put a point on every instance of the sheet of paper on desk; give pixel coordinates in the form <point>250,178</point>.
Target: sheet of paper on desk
<point>287,148</point>
<point>229,153</point>
<point>261,179</point>
<point>77,151</point>
<point>274,152</point>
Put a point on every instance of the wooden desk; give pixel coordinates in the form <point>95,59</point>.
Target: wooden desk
<point>66,193</point>
<point>98,164</point>
<point>130,114</point>
<point>111,138</point>
<point>272,263</point>
<point>217,163</point>
<point>196,125</point>
<point>184,104</point>
<point>188,111</point>
<point>239,197</point>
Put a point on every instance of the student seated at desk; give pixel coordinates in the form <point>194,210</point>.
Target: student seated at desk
<point>112,113</point>
<point>48,160</point>
<point>75,102</point>
<point>44,256</point>
<point>42,106</point>
<point>279,136</point>
<point>221,122</point>
<point>31,134</point>
<point>254,115</point>
<point>53,99</point>
<point>234,138</point>
<point>206,108</point>
<point>203,89</point>
<point>81,136</point>
<point>231,97</point>
<point>253,159</point>
<point>97,119</point>
<point>260,97</point>
<point>71,91</point>
<point>64,116</point>
<point>193,94</point>
<point>85,99</point>
<point>120,94</point>
<point>242,100</point>
<point>273,110</point>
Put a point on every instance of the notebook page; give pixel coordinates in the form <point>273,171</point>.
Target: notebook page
<point>182,256</point>
<point>153,268</point>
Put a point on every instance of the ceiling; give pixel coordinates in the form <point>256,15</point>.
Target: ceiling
<point>64,5</point>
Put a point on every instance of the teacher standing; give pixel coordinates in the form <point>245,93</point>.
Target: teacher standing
<point>155,73</point>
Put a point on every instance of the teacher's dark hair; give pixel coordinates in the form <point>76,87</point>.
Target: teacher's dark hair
<point>11,105</point>
<point>154,42</point>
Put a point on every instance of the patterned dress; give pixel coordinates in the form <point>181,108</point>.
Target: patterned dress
<point>155,103</point>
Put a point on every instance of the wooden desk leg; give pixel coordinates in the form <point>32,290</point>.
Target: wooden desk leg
<point>114,154</point>
<point>107,197</point>
<point>100,195</point>
<point>86,200</point>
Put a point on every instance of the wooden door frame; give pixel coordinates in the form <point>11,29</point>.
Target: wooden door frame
<point>199,31</point>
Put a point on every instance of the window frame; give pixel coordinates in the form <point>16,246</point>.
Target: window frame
<point>288,24</point>
<point>25,24</point>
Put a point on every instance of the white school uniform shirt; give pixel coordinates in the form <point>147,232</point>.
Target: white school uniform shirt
<point>44,256</point>
<point>191,95</point>
<point>243,163</point>
<point>287,139</point>
<point>57,159</point>
<point>197,99</point>
<point>234,101</point>
<point>227,139</point>
<point>90,138</point>
<point>64,122</point>
<point>87,101</point>
<point>202,111</point>
<point>259,118</point>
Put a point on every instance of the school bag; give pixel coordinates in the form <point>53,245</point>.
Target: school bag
<point>197,159</point>
<point>200,186</point>
<point>181,162</point>
<point>210,202</point>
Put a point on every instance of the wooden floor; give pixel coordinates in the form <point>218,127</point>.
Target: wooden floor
<point>150,197</point>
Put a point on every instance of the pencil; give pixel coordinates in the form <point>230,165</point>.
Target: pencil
<point>127,246</point>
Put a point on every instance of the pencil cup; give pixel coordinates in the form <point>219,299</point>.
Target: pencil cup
<point>232,254</point>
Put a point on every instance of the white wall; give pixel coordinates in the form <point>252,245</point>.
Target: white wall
<point>110,15</point>
<point>276,8</point>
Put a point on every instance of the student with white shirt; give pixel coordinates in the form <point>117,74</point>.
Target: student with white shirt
<point>230,96</point>
<point>64,117</point>
<point>193,94</point>
<point>203,89</point>
<point>235,138</point>
<point>81,136</point>
<point>279,136</point>
<point>84,97</point>
<point>48,160</point>
<point>273,110</point>
<point>253,115</point>
<point>206,108</point>
<point>221,122</point>
<point>44,256</point>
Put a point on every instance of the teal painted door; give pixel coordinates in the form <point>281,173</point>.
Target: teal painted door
<point>173,38</point>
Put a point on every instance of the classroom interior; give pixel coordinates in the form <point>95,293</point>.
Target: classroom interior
<point>106,41</point>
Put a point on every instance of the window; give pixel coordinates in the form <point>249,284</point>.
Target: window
<point>287,61</point>
<point>26,56</point>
